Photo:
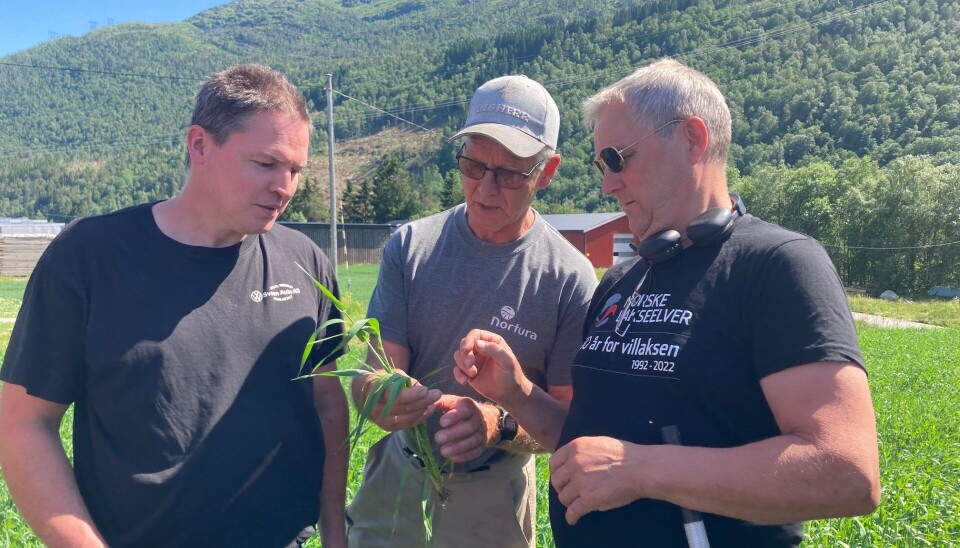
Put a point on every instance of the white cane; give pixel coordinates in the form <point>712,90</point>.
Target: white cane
<point>692,522</point>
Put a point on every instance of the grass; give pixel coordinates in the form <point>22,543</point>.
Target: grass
<point>11,293</point>
<point>915,381</point>
<point>942,312</point>
<point>356,285</point>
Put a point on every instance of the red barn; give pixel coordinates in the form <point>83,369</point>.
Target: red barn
<point>603,237</point>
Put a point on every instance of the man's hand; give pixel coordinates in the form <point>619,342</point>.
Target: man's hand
<point>595,473</point>
<point>467,428</point>
<point>486,363</point>
<point>411,406</point>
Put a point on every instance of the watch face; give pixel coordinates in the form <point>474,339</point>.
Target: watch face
<point>508,427</point>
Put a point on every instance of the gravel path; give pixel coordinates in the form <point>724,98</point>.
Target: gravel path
<point>892,322</point>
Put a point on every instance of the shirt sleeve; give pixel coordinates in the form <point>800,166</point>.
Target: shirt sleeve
<point>46,350</point>
<point>572,314</point>
<point>388,303</point>
<point>799,312</point>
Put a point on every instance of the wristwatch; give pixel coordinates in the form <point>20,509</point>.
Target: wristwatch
<point>507,426</point>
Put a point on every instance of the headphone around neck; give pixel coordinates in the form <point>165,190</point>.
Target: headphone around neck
<point>707,229</point>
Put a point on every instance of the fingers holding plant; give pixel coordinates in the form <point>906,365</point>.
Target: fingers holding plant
<point>409,407</point>
<point>388,396</point>
<point>467,428</point>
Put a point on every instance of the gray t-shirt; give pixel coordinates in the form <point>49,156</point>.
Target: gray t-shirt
<point>438,281</point>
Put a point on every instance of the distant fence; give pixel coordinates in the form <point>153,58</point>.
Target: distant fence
<point>357,243</point>
<point>20,253</point>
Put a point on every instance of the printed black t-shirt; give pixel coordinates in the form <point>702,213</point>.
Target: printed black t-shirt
<point>189,429</point>
<point>685,343</point>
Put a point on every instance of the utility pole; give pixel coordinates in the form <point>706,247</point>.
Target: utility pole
<point>333,181</point>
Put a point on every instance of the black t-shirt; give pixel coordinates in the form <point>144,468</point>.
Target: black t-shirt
<point>188,427</point>
<point>687,346</point>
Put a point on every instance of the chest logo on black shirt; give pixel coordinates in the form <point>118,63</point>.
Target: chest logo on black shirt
<point>641,335</point>
<point>277,292</point>
<point>609,310</point>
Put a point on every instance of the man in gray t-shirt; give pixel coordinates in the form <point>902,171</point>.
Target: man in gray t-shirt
<point>492,263</point>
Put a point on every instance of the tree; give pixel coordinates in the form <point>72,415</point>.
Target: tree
<point>357,202</point>
<point>309,203</point>
<point>395,197</point>
<point>452,190</point>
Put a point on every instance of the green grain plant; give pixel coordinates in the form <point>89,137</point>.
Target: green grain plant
<point>915,382</point>
<point>383,384</point>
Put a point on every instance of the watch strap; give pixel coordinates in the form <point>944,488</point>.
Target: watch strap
<point>507,426</point>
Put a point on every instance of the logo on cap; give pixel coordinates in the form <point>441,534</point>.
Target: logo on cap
<point>504,109</point>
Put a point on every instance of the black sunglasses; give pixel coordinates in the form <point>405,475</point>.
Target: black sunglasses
<point>612,159</point>
<point>505,178</point>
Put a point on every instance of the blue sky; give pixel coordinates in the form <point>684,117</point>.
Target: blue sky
<point>26,23</point>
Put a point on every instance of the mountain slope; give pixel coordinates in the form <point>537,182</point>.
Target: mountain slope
<point>807,80</point>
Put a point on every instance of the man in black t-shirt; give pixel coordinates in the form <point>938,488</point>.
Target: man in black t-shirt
<point>730,330</point>
<point>176,329</point>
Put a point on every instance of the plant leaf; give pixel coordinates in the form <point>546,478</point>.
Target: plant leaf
<point>397,383</point>
<point>336,302</point>
<point>307,349</point>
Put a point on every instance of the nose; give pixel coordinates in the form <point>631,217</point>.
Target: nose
<point>487,183</point>
<point>610,183</point>
<point>284,184</point>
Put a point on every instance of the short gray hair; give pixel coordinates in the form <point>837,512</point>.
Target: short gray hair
<point>228,98</point>
<point>545,154</point>
<point>668,90</point>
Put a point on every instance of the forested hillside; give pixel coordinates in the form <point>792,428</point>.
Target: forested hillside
<point>846,113</point>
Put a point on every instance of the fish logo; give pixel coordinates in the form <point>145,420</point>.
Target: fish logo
<point>609,310</point>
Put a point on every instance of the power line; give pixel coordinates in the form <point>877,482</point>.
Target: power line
<point>172,139</point>
<point>383,111</point>
<point>779,33</point>
<point>101,72</point>
<point>506,62</point>
<point>897,248</point>
<point>512,62</point>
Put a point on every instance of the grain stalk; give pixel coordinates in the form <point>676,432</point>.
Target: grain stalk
<point>386,382</point>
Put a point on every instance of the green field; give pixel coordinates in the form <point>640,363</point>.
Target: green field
<point>11,292</point>
<point>915,381</point>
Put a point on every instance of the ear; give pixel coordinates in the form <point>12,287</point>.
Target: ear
<point>694,130</point>
<point>549,170</point>
<point>198,143</point>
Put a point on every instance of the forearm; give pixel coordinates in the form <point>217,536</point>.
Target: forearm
<point>825,464</point>
<point>778,480</point>
<point>540,417</point>
<point>335,422</point>
<point>42,485</point>
<point>524,443</point>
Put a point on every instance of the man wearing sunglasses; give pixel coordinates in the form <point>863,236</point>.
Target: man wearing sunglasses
<point>734,331</point>
<point>492,262</point>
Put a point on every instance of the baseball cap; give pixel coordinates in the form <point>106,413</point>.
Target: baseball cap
<point>516,112</point>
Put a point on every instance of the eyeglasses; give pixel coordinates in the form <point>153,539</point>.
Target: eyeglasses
<point>505,178</point>
<point>612,159</point>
